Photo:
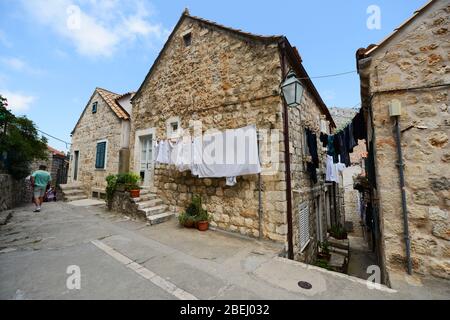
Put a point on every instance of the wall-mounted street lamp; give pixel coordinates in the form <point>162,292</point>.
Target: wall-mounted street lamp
<point>292,90</point>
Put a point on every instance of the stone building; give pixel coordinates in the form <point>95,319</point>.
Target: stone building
<point>229,79</point>
<point>411,66</point>
<point>57,164</point>
<point>100,141</point>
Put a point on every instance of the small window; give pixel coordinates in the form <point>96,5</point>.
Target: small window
<point>94,107</point>
<point>303,226</point>
<point>173,127</point>
<point>187,39</point>
<point>100,157</point>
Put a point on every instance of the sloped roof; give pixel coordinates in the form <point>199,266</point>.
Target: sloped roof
<point>293,55</point>
<point>56,152</point>
<point>111,99</point>
<point>372,48</point>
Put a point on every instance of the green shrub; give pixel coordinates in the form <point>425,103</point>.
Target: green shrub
<point>129,181</point>
<point>338,232</point>
<point>194,211</point>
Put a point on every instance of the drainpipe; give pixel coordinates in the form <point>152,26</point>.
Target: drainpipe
<point>260,210</point>
<point>287,161</point>
<point>401,165</point>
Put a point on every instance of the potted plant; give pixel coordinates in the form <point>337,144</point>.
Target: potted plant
<point>203,220</point>
<point>186,220</point>
<point>129,182</point>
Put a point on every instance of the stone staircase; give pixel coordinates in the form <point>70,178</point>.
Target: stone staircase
<point>73,191</point>
<point>340,254</point>
<point>152,207</point>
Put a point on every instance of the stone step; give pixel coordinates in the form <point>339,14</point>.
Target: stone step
<point>144,191</point>
<point>75,198</point>
<point>154,210</point>
<point>153,189</point>
<point>341,244</point>
<point>145,197</point>
<point>339,251</point>
<point>73,192</point>
<point>71,186</point>
<point>337,262</point>
<point>160,218</point>
<point>149,204</point>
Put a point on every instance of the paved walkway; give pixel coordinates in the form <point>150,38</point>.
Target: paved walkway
<point>124,259</point>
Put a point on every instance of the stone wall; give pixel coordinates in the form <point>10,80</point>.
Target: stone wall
<point>417,56</point>
<point>12,192</point>
<point>122,202</point>
<point>102,125</point>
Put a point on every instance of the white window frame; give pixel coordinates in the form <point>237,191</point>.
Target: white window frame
<point>171,134</point>
<point>303,226</point>
<point>106,155</point>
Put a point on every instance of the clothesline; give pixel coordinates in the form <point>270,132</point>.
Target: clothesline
<point>338,145</point>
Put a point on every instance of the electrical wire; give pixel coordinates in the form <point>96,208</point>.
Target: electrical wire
<point>49,135</point>
<point>329,75</point>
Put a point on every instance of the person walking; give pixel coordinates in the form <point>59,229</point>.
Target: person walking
<point>40,180</point>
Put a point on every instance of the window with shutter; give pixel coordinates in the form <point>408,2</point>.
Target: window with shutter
<point>100,155</point>
<point>304,225</point>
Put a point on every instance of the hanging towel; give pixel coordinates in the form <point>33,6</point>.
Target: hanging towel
<point>183,160</point>
<point>164,153</point>
<point>331,170</point>
<point>324,139</point>
<point>311,139</point>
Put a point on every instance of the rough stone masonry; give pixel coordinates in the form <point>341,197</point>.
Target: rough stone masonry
<point>418,55</point>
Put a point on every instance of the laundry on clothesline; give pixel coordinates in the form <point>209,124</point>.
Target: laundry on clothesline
<point>230,153</point>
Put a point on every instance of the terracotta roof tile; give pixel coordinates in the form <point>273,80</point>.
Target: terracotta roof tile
<point>56,152</point>
<point>111,99</point>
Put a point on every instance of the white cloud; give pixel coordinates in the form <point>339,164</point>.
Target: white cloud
<point>18,102</point>
<point>96,28</point>
<point>18,64</point>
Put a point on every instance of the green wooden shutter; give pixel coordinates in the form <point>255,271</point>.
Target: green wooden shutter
<point>100,155</point>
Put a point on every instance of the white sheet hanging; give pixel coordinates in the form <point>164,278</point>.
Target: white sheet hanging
<point>182,154</point>
<point>164,151</point>
<point>227,154</point>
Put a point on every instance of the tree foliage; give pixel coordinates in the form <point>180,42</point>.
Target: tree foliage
<point>20,143</point>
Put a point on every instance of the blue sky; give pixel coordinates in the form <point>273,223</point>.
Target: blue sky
<point>50,65</point>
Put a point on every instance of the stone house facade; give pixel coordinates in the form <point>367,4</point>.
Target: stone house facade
<point>412,66</point>
<point>100,141</point>
<point>229,79</point>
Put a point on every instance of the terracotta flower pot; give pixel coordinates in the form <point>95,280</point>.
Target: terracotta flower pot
<point>202,225</point>
<point>135,193</point>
